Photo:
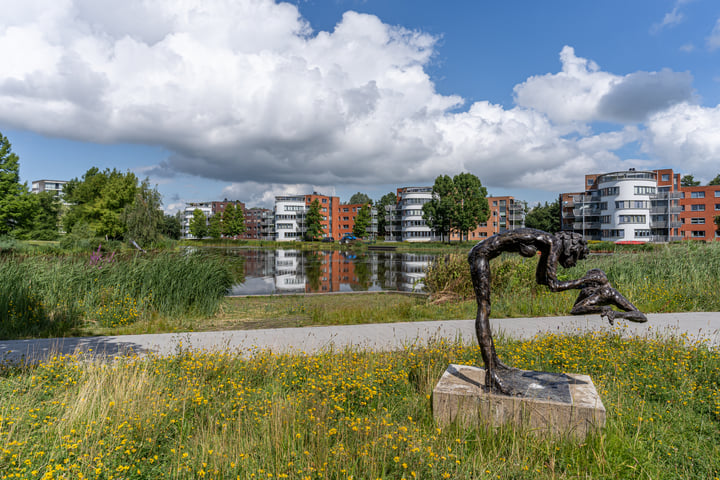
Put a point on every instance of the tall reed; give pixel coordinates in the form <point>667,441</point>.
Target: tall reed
<point>43,296</point>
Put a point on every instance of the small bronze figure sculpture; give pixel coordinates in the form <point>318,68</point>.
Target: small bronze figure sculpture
<point>565,248</point>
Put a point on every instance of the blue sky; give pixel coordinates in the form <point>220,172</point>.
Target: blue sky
<point>251,99</point>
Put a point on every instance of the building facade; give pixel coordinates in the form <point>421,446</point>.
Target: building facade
<point>700,207</point>
<point>208,209</point>
<point>505,214</point>
<point>338,219</point>
<point>55,186</point>
<point>259,224</point>
<point>404,220</point>
<point>636,206</point>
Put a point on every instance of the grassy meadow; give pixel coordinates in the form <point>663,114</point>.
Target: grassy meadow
<point>353,415</point>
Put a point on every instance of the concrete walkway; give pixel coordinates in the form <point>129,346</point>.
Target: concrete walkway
<point>386,336</point>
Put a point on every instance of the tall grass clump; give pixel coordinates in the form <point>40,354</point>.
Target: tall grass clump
<point>665,278</point>
<point>53,296</point>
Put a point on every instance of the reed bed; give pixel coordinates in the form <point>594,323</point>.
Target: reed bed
<point>56,296</point>
<point>353,415</point>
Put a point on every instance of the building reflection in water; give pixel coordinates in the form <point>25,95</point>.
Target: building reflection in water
<point>295,271</point>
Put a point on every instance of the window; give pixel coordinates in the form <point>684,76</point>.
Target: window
<point>639,190</point>
<point>605,219</point>
<point>642,233</point>
<point>632,204</point>
<point>346,209</point>
<point>605,192</point>
<point>324,200</point>
<point>616,233</point>
<point>717,206</point>
<point>494,203</point>
<point>697,221</point>
<point>698,234</point>
<point>632,218</point>
<point>717,193</point>
<point>697,208</point>
<point>665,177</point>
<point>590,181</point>
<point>697,194</point>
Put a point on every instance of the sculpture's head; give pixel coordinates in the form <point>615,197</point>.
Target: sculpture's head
<point>573,247</point>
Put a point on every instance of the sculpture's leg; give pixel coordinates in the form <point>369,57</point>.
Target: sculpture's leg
<point>480,273</point>
<point>596,300</point>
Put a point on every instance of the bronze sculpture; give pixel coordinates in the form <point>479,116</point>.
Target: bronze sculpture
<point>596,293</point>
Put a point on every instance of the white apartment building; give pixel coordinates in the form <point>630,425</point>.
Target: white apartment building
<point>405,220</point>
<point>290,213</point>
<point>628,206</point>
<point>48,186</point>
<point>187,216</point>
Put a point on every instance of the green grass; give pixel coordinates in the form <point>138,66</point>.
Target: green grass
<point>353,414</point>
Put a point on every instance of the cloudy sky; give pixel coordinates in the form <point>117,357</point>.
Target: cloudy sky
<point>246,99</point>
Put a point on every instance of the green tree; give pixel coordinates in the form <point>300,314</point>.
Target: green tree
<point>359,198</point>
<point>689,181</point>
<point>459,204</point>
<point>99,199</point>
<point>198,224</point>
<point>142,220</point>
<point>471,205</point>
<point>45,222</point>
<point>171,227</point>
<point>385,200</point>
<point>544,217</point>
<point>17,205</point>
<point>215,227</point>
<point>715,181</point>
<point>438,212</point>
<point>362,221</point>
<point>233,220</point>
<point>313,227</point>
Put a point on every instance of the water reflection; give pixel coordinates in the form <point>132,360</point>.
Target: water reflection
<point>295,271</point>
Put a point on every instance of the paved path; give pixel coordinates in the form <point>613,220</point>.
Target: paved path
<point>386,336</point>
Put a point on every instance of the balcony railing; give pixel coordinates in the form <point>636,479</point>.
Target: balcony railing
<point>579,226</point>
<point>666,196</point>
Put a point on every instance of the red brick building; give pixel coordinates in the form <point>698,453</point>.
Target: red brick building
<point>700,207</point>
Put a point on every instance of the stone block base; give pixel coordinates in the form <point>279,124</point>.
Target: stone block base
<point>546,403</point>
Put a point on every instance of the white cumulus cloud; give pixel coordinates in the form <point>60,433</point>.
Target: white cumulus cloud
<point>582,92</point>
<point>248,93</point>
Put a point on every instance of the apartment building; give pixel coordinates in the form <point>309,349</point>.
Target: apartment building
<point>505,214</point>
<point>700,207</point>
<point>337,219</point>
<point>404,221</point>
<point>55,186</point>
<point>636,206</point>
<point>259,224</point>
<point>208,209</point>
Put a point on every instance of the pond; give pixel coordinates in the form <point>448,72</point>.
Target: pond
<point>295,271</point>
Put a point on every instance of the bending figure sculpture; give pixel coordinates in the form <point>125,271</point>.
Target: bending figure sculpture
<point>596,293</point>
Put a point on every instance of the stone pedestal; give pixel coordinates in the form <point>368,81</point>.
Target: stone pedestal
<point>546,403</point>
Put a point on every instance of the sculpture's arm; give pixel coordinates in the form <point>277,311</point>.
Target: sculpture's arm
<point>548,263</point>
